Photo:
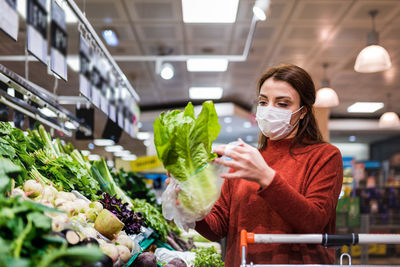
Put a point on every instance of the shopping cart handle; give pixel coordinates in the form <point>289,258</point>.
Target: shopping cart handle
<point>339,240</point>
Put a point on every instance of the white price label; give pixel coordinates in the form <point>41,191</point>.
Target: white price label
<point>96,97</point>
<point>84,86</point>
<point>132,130</point>
<point>104,104</point>
<point>112,113</point>
<point>121,120</point>
<point>58,63</point>
<point>126,125</point>
<point>9,22</point>
<point>37,45</point>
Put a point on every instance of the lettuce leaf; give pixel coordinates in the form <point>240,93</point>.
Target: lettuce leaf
<point>183,142</point>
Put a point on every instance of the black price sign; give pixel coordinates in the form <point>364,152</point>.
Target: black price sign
<point>37,16</point>
<point>9,18</point>
<point>12,3</point>
<point>84,57</point>
<point>96,78</point>
<point>58,38</point>
<point>58,41</point>
<point>36,29</point>
<point>85,67</point>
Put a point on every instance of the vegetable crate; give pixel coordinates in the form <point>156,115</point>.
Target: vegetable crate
<point>325,240</point>
<point>145,239</point>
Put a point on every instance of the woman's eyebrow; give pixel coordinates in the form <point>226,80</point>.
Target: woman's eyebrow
<point>263,96</point>
<point>283,97</point>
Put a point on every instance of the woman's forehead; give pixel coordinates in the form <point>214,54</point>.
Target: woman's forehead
<point>276,88</point>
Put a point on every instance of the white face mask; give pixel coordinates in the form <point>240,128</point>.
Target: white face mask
<point>275,122</point>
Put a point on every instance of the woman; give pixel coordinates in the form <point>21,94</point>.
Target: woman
<point>290,185</point>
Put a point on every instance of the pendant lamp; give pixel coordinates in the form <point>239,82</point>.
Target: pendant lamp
<point>373,58</point>
<point>260,9</point>
<point>326,96</point>
<point>389,119</point>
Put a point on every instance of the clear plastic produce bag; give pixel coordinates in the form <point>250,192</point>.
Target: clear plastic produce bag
<point>196,196</point>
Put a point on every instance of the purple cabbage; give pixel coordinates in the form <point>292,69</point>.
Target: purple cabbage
<point>132,220</point>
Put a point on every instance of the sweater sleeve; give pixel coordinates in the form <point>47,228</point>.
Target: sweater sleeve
<point>308,213</point>
<point>215,225</point>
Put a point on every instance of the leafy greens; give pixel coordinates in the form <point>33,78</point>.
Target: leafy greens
<point>183,143</point>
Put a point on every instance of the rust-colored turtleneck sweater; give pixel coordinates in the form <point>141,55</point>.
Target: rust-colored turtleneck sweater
<point>302,198</point>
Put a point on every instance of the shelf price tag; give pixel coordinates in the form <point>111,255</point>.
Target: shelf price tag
<point>36,29</point>
<point>132,130</point>
<point>9,22</point>
<point>96,97</point>
<point>104,103</point>
<point>121,118</point>
<point>113,113</point>
<point>97,84</point>
<point>84,67</point>
<point>58,41</point>
<point>126,125</point>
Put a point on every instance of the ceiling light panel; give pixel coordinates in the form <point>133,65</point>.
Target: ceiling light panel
<point>205,92</point>
<point>209,11</point>
<point>365,107</point>
<point>207,65</point>
<point>104,142</point>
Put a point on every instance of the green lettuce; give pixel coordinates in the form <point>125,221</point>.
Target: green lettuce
<point>183,143</point>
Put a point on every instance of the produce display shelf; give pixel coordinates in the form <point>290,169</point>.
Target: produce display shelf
<point>145,239</point>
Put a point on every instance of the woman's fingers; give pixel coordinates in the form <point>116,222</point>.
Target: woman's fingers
<point>232,175</point>
<point>167,181</point>
<point>220,150</point>
<point>228,163</point>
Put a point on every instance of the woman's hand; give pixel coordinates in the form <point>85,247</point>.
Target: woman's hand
<point>248,163</point>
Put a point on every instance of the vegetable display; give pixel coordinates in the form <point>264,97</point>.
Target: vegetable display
<point>183,143</point>
<point>132,221</point>
<point>46,160</point>
<point>102,173</point>
<point>152,217</point>
<point>206,257</point>
<point>59,209</point>
<point>25,232</point>
<point>134,186</point>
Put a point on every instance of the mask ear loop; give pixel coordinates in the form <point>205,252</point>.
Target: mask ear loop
<point>298,121</point>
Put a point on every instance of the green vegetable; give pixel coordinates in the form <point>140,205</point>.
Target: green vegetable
<point>106,181</point>
<point>25,240</point>
<point>206,257</point>
<point>74,256</point>
<point>153,218</point>
<point>7,170</point>
<point>183,144</point>
<point>134,186</point>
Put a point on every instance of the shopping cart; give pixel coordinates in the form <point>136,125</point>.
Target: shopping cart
<point>326,240</point>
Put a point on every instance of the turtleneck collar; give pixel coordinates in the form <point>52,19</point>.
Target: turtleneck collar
<point>282,143</point>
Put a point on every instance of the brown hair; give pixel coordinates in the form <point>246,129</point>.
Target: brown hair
<point>308,131</point>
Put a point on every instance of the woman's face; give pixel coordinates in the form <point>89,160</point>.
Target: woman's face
<point>281,94</point>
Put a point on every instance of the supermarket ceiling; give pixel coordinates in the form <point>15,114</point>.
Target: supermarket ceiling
<point>304,32</point>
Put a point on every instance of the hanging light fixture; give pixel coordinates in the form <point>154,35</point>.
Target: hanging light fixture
<point>389,119</point>
<point>260,9</point>
<point>373,58</point>
<point>165,70</point>
<point>326,96</point>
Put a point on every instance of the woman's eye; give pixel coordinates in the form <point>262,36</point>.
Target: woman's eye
<point>262,103</point>
<point>284,105</point>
